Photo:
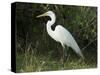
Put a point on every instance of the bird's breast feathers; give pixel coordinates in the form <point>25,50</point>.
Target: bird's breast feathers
<point>62,35</point>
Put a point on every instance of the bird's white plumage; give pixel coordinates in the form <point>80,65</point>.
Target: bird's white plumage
<point>61,34</point>
<point>64,37</point>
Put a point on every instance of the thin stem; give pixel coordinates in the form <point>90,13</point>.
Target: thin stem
<point>89,44</point>
<point>63,57</point>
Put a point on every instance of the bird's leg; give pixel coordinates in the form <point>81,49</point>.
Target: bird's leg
<point>66,56</point>
<point>63,57</point>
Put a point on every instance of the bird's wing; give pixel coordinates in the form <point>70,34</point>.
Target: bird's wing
<point>65,37</point>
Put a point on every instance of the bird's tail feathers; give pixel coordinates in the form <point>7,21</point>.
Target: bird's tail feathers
<point>78,51</point>
<point>81,55</point>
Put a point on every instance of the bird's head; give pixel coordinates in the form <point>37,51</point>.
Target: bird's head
<point>49,13</point>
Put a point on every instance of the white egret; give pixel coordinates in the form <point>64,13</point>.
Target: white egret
<point>60,34</point>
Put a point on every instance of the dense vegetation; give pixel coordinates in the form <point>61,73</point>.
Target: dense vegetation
<point>36,51</point>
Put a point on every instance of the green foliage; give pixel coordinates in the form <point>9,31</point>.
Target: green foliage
<point>36,51</point>
<point>31,62</point>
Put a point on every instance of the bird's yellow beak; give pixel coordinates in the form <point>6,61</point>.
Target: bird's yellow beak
<point>45,14</point>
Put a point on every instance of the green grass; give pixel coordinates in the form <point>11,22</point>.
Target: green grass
<point>31,62</point>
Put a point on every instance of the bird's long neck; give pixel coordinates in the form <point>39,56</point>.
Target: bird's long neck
<point>50,23</point>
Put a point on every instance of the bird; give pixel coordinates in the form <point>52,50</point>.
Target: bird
<point>61,35</point>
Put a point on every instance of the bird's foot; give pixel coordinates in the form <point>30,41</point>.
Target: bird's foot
<point>66,58</point>
<point>62,68</point>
